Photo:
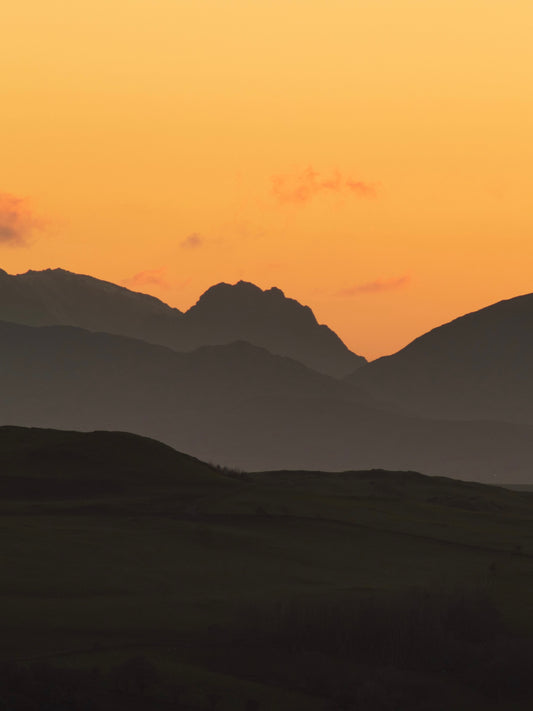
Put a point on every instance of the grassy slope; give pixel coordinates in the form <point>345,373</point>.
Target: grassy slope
<point>170,546</point>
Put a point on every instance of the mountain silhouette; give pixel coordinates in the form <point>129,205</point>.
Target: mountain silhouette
<point>237,405</point>
<point>224,313</point>
<point>56,296</point>
<point>478,366</point>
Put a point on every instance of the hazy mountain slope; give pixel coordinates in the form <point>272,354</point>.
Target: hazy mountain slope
<point>70,378</point>
<point>332,435</point>
<point>236,405</point>
<point>223,314</point>
<point>478,366</point>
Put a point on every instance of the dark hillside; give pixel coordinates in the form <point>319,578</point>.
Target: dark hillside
<point>297,591</point>
<point>59,464</point>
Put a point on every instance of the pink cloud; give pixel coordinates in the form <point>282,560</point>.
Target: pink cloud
<point>376,286</point>
<point>360,188</point>
<point>17,224</point>
<point>299,189</point>
<point>148,277</point>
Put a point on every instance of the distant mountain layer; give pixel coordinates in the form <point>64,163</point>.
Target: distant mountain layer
<point>478,367</point>
<point>222,315</point>
<point>237,405</point>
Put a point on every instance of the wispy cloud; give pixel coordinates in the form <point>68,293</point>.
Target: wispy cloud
<point>193,241</point>
<point>301,188</point>
<point>17,224</point>
<point>148,277</point>
<point>360,188</point>
<point>376,286</point>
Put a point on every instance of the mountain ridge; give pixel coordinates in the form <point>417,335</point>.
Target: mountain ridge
<point>224,313</point>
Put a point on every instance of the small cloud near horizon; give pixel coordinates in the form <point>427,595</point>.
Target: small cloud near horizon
<point>376,286</point>
<point>17,224</point>
<point>300,189</point>
<point>197,241</point>
<point>148,277</point>
<point>193,241</point>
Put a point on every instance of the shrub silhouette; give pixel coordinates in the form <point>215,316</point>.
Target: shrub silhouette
<point>384,652</point>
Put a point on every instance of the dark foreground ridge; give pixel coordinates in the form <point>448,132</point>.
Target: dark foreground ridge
<point>135,577</point>
<point>52,464</point>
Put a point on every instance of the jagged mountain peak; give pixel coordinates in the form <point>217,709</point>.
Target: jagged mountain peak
<point>269,319</point>
<point>241,290</point>
<point>245,296</point>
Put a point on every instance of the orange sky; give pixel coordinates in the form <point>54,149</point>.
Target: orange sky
<point>372,158</point>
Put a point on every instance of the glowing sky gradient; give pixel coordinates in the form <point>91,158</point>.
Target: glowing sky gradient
<point>372,158</point>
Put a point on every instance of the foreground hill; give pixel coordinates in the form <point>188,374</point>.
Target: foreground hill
<point>294,591</point>
<point>224,314</point>
<point>238,406</point>
<point>476,367</point>
<point>52,464</point>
